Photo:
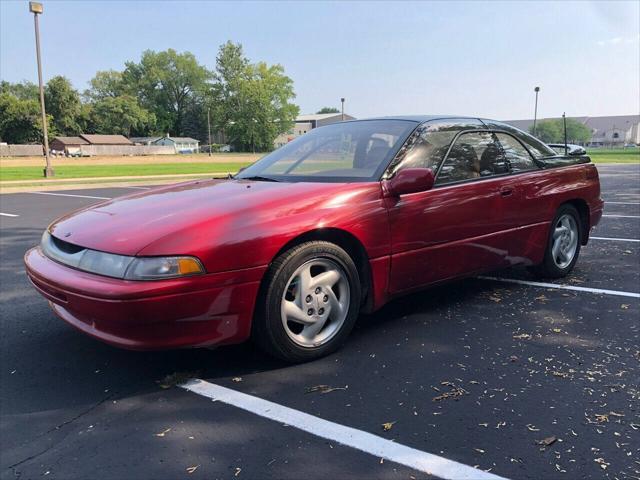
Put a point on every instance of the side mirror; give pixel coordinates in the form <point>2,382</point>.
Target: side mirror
<point>410,180</point>
<point>577,151</point>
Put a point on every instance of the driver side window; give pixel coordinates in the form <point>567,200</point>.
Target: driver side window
<point>473,155</point>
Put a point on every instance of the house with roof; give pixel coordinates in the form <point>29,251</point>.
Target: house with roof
<point>67,145</point>
<point>143,140</point>
<point>181,144</point>
<point>95,139</point>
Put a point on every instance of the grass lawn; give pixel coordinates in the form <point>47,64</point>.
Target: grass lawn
<point>85,171</point>
<point>614,155</point>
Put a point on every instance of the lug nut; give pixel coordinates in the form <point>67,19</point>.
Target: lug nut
<point>308,299</point>
<point>321,311</point>
<point>325,298</point>
<point>317,289</point>
<point>310,311</point>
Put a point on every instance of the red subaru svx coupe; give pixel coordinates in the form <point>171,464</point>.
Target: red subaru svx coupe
<point>337,222</point>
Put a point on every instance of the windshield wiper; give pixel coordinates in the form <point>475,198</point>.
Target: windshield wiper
<point>258,178</point>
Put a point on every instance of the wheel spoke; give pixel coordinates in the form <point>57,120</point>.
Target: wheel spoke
<point>555,250</point>
<point>325,279</point>
<point>294,313</point>
<point>563,255</point>
<point>557,233</point>
<point>336,307</point>
<point>310,331</point>
<point>305,280</point>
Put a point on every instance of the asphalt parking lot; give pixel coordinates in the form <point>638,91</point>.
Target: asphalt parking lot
<point>519,379</point>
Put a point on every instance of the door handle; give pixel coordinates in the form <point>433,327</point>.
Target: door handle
<point>506,191</point>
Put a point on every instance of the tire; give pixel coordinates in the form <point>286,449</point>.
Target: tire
<point>302,277</point>
<point>559,264</point>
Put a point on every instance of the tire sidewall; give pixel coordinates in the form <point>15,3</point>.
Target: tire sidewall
<point>283,346</point>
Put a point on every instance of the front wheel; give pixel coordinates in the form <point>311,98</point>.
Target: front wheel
<point>563,244</point>
<point>309,304</point>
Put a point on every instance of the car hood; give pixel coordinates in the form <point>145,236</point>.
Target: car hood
<point>127,225</point>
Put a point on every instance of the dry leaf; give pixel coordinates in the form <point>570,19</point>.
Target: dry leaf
<point>324,389</point>
<point>238,470</point>
<point>162,434</point>
<point>547,441</point>
<point>236,379</point>
<point>532,428</point>
<point>388,426</point>
<point>522,336</point>
<point>190,470</point>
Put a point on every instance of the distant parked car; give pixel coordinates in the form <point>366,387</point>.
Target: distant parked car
<point>572,149</point>
<point>337,222</point>
<point>630,145</point>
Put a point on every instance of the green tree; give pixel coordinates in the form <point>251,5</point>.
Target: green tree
<point>552,131</point>
<point>577,132</point>
<point>20,120</point>
<point>252,102</point>
<point>547,130</point>
<point>107,83</point>
<point>167,83</point>
<point>120,115</point>
<point>62,102</point>
<point>23,90</point>
<point>328,110</point>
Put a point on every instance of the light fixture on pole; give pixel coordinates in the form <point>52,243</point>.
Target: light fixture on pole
<point>342,101</point>
<point>36,9</point>
<point>535,111</point>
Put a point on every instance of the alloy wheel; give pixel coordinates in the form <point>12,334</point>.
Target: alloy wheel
<point>315,302</point>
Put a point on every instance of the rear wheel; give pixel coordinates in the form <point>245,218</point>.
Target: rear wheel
<point>310,302</point>
<point>563,244</point>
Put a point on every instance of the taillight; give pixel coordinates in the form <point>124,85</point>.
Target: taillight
<point>591,173</point>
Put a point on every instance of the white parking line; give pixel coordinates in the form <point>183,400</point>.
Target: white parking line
<point>563,287</point>
<point>70,195</point>
<point>622,216</point>
<point>615,239</point>
<point>351,437</point>
<point>8,215</point>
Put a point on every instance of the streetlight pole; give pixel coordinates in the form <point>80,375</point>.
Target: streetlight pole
<point>36,9</point>
<point>535,111</point>
<point>342,101</point>
<point>209,127</point>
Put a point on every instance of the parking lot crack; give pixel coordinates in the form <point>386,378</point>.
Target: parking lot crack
<point>54,429</point>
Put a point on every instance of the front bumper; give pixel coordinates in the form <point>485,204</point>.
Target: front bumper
<point>203,310</point>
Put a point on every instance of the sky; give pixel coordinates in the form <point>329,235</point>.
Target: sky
<point>385,58</point>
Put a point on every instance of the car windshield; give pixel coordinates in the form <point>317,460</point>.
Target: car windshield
<point>356,151</point>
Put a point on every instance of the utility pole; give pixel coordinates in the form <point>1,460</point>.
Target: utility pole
<point>535,111</point>
<point>342,101</point>
<point>36,9</point>
<point>209,127</point>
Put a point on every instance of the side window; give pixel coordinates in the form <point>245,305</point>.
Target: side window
<point>515,154</point>
<point>473,155</point>
<point>428,145</point>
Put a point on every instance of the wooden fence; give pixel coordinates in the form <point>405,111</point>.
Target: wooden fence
<point>21,150</point>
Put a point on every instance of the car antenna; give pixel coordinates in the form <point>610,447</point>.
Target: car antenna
<point>566,147</point>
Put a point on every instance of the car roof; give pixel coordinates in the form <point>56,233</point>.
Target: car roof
<point>427,118</point>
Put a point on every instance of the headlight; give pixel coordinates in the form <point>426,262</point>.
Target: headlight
<point>119,266</point>
<point>154,268</point>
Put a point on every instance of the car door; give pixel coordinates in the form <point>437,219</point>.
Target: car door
<point>457,227</point>
<point>527,214</point>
